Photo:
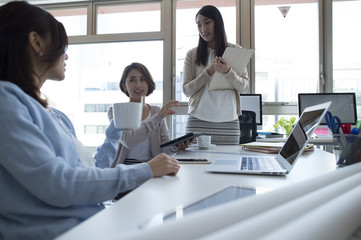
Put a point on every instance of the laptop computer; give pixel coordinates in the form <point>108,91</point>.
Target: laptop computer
<point>286,158</point>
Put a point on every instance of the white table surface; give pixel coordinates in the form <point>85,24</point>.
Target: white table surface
<point>191,184</point>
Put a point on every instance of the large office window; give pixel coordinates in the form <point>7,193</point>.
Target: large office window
<point>285,35</point>
<point>286,51</point>
<point>93,70</point>
<point>347,48</point>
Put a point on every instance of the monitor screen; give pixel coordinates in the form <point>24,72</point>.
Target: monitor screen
<point>253,102</point>
<point>343,104</point>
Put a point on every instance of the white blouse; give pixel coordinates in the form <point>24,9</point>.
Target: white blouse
<point>216,106</point>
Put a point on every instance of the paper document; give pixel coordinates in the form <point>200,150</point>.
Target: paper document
<point>237,58</point>
<point>269,147</point>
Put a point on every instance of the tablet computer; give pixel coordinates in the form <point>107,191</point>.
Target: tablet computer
<point>182,139</point>
<point>223,196</point>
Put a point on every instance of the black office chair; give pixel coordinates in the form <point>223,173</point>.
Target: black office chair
<point>248,126</point>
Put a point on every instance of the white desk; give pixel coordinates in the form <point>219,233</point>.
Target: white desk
<point>191,184</point>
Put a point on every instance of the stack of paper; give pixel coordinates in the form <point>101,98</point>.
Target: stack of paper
<point>237,58</point>
<point>269,147</point>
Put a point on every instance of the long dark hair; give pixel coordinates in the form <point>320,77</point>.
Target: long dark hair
<point>17,20</point>
<point>143,70</point>
<point>213,13</point>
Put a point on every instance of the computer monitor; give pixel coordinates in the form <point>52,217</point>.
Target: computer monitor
<point>253,102</point>
<point>343,104</point>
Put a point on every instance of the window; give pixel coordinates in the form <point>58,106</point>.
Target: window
<point>97,107</point>
<point>73,19</point>
<point>286,51</point>
<point>95,129</point>
<point>99,67</point>
<point>144,17</point>
<point>347,48</point>
<point>286,61</point>
<point>95,66</point>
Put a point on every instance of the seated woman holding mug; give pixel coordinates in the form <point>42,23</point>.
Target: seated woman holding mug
<point>142,144</point>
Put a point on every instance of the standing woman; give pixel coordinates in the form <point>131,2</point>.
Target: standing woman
<point>45,188</point>
<point>213,112</point>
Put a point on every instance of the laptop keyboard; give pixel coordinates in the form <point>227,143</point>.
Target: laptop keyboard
<point>259,163</point>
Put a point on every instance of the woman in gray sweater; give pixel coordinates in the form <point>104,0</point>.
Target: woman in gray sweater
<point>142,144</point>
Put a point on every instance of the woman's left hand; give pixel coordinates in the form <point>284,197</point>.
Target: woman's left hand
<point>167,109</point>
<point>184,145</point>
<point>221,65</point>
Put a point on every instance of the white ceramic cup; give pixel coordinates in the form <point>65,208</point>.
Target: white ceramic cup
<point>127,115</point>
<point>204,141</point>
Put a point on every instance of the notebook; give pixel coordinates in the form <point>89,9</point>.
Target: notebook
<point>283,162</point>
<point>237,58</point>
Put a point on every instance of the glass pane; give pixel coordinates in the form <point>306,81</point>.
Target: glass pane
<point>347,48</point>
<point>270,120</point>
<point>73,19</point>
<point>93,72</point>
<point>179,125</point>
<point>187,33</point>
<point>130,18</point>
<point>287,49</point>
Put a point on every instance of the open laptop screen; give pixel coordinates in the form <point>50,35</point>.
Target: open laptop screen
<point>300,134</point>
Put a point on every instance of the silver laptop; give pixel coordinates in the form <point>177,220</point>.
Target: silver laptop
<point>286,158</point>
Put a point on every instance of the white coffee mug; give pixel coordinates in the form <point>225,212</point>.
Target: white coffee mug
<point>127,115</point>
<point>204,141</point>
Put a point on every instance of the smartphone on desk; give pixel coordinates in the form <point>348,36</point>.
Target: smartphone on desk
<point>193,160</point>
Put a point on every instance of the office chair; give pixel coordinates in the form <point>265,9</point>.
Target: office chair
<point>248,126</point>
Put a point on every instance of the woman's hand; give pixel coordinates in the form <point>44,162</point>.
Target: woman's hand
<point>211,68</point>
<point>166,109</point>
<point>221,65</point>
<point>164,164</point>
<point>183,145</point>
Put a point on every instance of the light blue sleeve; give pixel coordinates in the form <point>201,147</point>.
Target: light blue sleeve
<point>106,152</point>
<point>37,159</point>
<point>65,120</point>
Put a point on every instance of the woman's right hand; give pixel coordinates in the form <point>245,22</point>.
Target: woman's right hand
<point>164,164</point>
<point>166,109</point>
<point>211,68</point>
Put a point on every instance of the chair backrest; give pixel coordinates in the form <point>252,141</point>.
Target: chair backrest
<point>248,126</point>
